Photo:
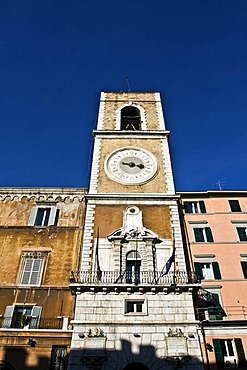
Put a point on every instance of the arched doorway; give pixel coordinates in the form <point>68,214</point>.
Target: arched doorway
<point>135,366</point>
<point>133,266</point>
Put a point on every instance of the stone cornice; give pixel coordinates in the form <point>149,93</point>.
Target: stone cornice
<point>123,134</point>
<point>43,194</point>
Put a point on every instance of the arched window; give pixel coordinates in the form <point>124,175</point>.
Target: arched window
<point>133,266</point>
<point>130,118</point>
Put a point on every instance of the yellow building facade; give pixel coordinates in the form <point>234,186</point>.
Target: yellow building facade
<point>40,239</point>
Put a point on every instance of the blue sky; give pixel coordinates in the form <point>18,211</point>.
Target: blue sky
<point>56,56</point>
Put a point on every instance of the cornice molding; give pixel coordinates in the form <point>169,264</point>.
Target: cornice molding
<point>43,194</point>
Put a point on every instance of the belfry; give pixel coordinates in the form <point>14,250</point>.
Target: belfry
<point>133,291</point>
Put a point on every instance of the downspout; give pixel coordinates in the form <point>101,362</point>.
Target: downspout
<point>205,344</point>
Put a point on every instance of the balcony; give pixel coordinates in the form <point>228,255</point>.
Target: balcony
<point>131,278</point>
<point>35,323</point>
<point>218,313</point>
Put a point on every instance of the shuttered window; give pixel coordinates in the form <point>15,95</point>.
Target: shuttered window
<point>244,268</point>
<point>43,216</point>
<point>31,273</point>
<point>208,270</point>
<point>203,234</point>
<point>234,205</point>
<point>229,352</point>
<point>195,207</point>
<point>242,234</point>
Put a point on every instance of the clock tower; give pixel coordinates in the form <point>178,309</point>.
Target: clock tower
<point>134,307</point>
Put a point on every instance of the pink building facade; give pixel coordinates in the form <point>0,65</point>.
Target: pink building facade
<point>215,235</point>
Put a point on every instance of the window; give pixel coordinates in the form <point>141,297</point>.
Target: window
<point>32,266</point>
<point>58,358</point>
<point>135,307</point>
<point>208,306</point>
<point>195,207</point>
<point>132,306</point>
<point>133,266</point>
<point>242,235</point>
<point>31,271</point>
<point>208,270</point>
<point>229,353</point>
<point>203,234</point>
<point>130,118</point>
<point>43,216</point>
<point>234,205</point>
<point>244,268</point>
<point>22,317</point>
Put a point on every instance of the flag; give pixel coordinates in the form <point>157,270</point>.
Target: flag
<point>168,264</point>
<point>99,272</point>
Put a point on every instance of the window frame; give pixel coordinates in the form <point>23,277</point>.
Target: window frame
<point>62,361</point>
<point>206,233</point>
<point>41,256</point>
<point>238,355</point>
<point>135,302</point>
<point>214,269</point>
<point>142,116</point>
<point>10,315</point>
<point>51,219</point>
<point>194,207</point>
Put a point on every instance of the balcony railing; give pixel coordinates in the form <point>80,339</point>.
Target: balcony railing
<point>33,323</point>
<point>217,313</point>
<point>143,277</point>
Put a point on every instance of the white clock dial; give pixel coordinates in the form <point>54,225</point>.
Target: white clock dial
<point>131,165</point>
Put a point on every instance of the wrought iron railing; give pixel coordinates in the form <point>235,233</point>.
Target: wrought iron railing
<point>32,323</point>
<point>143,277</point>
<point>219,313</point>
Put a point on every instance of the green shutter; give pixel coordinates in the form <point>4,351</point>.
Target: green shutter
<point>198,269</point>
<point>198,235</point>
<point>234,205</point>
<point>216,269</point>
<point>244,268</point>
<point>242,234</point>
<point>209,234</point>
<point>202,206</point>
<point>241,355</point>
<point>218,354</point>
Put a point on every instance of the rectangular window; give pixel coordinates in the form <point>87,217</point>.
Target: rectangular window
<point>229,353</point>
<point>32,271</point>
<point>234,205</point>
<point>244,268</point>
<point>242,234</point>
<point>135,307</point>
<point>22,317</point>
<point>58,358</point>
<point>208,270</point>
<point>203,234</point>
<point>195,207</point>
<point>43,216</point>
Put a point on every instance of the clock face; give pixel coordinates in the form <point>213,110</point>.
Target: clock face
<point>131,166</point>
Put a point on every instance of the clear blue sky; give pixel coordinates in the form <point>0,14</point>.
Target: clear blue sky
<point>57,55</point>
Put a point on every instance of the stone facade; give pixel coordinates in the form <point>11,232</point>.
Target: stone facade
<point>129,314</point>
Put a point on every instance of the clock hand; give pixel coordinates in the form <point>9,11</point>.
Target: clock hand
<point>132,164</point>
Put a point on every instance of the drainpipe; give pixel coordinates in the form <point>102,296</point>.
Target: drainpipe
<point>205,343</point>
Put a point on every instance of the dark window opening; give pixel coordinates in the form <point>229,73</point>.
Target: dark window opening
<point>58,358</point>
<point>242,234</point>
<point>134,306</point>
<point>42,217</point>
<point>130,119</point>
<point>234,205</point>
